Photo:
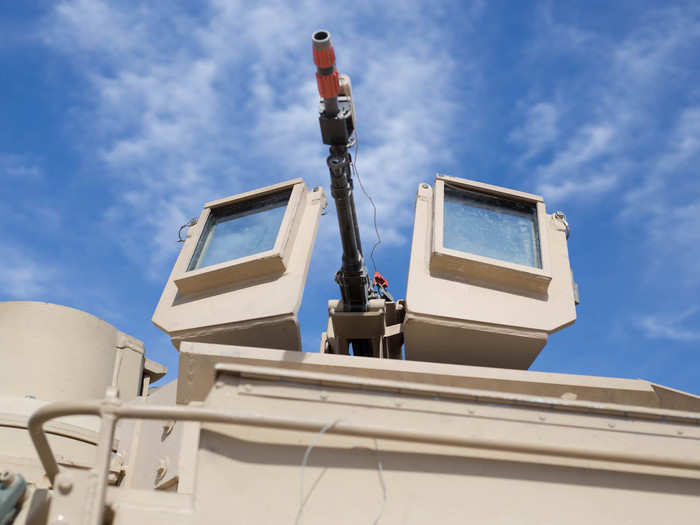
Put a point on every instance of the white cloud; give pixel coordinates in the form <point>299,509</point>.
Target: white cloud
<point>611,110</point>
<point>625,153</point>
<point>22,277</point>
<point>666,202</point>
<point>671,326</point>
<point>585,188</point>
<point>19,167</point>
<point>572,171</point>
<point>539,130</point>
<point>193,107</point>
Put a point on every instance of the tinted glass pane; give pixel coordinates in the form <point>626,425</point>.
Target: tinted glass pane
<point>492,227</point>
<point>240,230</point>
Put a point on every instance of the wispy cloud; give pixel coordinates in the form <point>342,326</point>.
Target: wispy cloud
<point>611,112</point>
<point>622,151</point>
<point>540,129</point>
<point>23,277</point>
<point>19,167</point>
<point>191,113</point>
<point>672,326</point>
<point>666,201</point>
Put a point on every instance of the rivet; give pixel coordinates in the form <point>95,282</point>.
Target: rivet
<point>248,388</point>
<point>542,418</point>
<point>398,403</point>
<point>324,395</point>
<point>611,425</point>
<point>679,432</point>
<point>64,484</point>
<point>424,186</point>
<point>7,478</point>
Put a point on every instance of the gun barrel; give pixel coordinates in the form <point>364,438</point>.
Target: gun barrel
<point>326,72</point>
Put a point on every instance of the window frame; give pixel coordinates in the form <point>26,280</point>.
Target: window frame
<point>488,271</point>
<point>265,264</point>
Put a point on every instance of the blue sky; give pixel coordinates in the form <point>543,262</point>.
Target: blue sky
<point>120,119</point>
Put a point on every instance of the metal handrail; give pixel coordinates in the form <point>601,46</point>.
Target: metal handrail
<point>111,410</point>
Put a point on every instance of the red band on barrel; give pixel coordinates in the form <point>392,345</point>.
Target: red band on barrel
<point>324,58</point>
<point>328,85</point>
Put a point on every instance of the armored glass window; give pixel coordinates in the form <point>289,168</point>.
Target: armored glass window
<point>239,230</point>
<point>490,226</point>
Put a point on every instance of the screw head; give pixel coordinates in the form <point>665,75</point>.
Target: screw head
<point>64,483</point>
<point>7,478</point>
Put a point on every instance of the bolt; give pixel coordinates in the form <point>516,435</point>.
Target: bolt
<point>611,425</point>
<point>424,186</point>
<point>248,388</point>
<point>64,483</point>
<point>398,403</point>
<point>7,478</point>
<point>219,384</point>
<point>542,418</point>
<point>679,432</point>
<point>112,478</point>
<point>324,395</point>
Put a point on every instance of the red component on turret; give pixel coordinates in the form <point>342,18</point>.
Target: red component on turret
<point>379,280</point>
<point>326,73</point>
<point>328,85</point>
<point>324,58</point>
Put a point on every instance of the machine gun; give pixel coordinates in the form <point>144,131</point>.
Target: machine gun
<point>337,121</point>
<point>336,118</point>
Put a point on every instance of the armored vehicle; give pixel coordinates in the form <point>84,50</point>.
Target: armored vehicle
<point>416,410</point>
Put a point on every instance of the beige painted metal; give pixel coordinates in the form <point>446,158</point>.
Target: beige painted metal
<point>248,301</point>
<point>153,447</point>
<point>402,425</point>
<point>413,438</point>
<point>198,363</point>
<point>473,465</point>
<point>50,353</point>
<point>74,440</point>
<point>467,309</point>
<point>53,353</point>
